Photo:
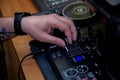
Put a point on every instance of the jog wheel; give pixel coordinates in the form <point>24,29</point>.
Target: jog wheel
<point>80,13</point>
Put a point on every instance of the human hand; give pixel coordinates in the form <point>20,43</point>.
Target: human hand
<point>39,27</point>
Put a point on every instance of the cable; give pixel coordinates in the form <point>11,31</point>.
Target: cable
<point>21,64</point>
<point>34,53</point>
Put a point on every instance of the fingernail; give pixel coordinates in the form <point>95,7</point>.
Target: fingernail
<point>62,43</point>
<point>70,41</point>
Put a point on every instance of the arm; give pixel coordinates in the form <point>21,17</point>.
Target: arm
<point>39,28</point>
<point>6,28</point>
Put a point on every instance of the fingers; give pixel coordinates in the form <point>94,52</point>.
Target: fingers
<point>71,26</point>
<point>51,39</point>
<point>43,25</point>
<point>65,25</point>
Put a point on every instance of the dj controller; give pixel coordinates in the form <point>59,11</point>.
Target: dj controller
<point>81,60</point>
<point>87,58</point>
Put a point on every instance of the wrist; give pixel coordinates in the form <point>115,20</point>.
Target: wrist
<point>18,22</point>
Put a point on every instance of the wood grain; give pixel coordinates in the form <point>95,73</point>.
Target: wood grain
<point>19,46</point>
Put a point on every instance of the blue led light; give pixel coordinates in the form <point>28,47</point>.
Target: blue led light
<point>78,58</point>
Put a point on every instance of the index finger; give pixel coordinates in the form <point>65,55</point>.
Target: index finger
<point>63,27</point>
<point>71,26</point>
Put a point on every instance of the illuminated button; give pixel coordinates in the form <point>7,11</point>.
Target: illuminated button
<point>78,58</point>
<point>58,54</point>
<point>71,72</point>
<point>53,55</point>
<point>91,75</point>
<point>82,69</point>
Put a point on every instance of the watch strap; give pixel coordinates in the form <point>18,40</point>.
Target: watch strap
<point>17,22</point>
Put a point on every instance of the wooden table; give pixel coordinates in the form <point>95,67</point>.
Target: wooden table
<point>18,47</point>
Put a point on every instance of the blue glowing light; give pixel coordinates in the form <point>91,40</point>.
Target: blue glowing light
<point>78,58</point>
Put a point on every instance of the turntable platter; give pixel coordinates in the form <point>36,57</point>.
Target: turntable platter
<point>80,13</point>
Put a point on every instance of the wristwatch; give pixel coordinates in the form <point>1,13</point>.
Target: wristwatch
<point>17,22</point>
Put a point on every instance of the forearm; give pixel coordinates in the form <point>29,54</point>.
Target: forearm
<point>6,28</point>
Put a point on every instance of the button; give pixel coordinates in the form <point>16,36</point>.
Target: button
<point>71,72</point>
<point>82,68</point>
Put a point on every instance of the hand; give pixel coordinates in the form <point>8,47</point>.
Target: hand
<point>39,27</point>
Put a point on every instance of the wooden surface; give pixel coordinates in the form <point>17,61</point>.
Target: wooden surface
<point>30,67</point>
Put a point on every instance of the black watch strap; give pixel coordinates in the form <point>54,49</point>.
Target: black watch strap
<point>17,22</point>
